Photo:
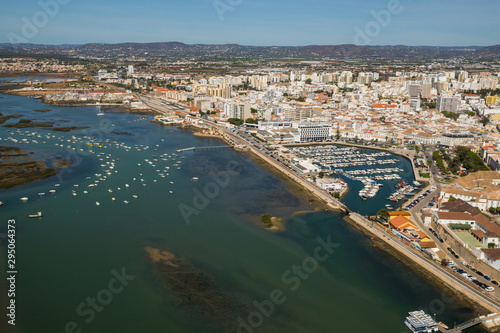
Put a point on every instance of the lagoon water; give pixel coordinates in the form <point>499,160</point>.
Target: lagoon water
<point>68,257</point>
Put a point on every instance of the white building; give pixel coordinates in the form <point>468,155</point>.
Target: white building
<point>314,131</point>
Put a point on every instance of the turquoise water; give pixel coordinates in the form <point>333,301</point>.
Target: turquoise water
<point>69,255</point>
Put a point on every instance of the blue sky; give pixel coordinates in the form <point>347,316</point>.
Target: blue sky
<point>253,22</point>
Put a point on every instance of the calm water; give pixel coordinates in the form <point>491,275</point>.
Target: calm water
<point>67,257</point>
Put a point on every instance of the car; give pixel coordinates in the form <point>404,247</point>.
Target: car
<point>487,277</point>
<point>449,249</point>
<point>474,270</point>
<point>479,273</point>
<point>489,289</point>
<point>494,282</point>
<point>456,256</point>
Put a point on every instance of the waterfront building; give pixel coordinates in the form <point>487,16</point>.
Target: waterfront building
<point>314,131</point>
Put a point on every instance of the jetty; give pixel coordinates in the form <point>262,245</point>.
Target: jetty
<point>207,148</point>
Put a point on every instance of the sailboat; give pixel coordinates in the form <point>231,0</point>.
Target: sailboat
<point>99,113</point>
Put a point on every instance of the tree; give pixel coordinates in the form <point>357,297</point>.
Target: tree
<point>452,198</point>
<point>321,174</point>
<point>491,245</point>
<point>492,210</point>
<point>253,110</point>
<point>308,81</point>
<point>235,121</point>
<point>251,121</point>
<point>485,121</point>
<point>383,212</point>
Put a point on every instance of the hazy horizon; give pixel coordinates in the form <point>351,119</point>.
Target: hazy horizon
<point>253,23</point>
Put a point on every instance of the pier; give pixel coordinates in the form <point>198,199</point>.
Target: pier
<point>208,148</point>
<point>462,326</point>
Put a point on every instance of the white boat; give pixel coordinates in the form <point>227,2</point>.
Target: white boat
<point>97,203</point>
<point>125,201</point>
<point>39,214</point>
<point>41,194</point>
<point>113,199</point>
<point>52,191</point>
<point>1,203</point>
<point>134,196</point>
<point>195,178</point>
<point>24,199</point>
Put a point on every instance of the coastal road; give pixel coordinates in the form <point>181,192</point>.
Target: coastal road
<point>447,276</point>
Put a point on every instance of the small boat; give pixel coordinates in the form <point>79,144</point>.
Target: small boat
<point>171,191</point>
<point>39,214</point>
<point>24,199</point>
<point>74,194</point>
<point>125,201</point>
<point>113,199</point>
<point>110,190</point>
<point>57,185</point>
<point>85,192</point>
<point>134,196</point>
<point>97,203</point>
<point>1,203</point>
<point>52,191</point>
<point>195,178</point>
<point>41,194</point>
<point>127,185</point>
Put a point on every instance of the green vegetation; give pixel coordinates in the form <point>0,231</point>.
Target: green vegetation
<point>267,220</point>
<point>469,160</point>
<point>491,245</point>
<point>236,121</point>
<point>336,195</point>
<point>251,121</point>
<point>451,115</point>
<point>452,198</point>
<point>425,175</point>
<point>439,161</point>
<point>459,226</point>
<point>383,212</point>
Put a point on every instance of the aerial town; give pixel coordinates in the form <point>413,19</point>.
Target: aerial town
<point>443,117</point>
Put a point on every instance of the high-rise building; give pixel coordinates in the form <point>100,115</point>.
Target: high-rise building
<point>447,103</point>
<point>413,90</point>
<point>491,100</point>
<point>426,90</point>
<point>298,113</point>
<point>130,70</point>
<point>237,110</point>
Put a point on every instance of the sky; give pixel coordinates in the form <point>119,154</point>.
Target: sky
<point>253,22</point>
